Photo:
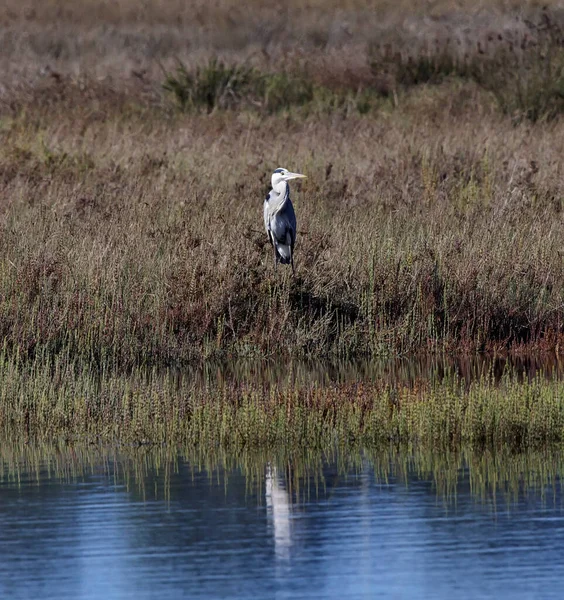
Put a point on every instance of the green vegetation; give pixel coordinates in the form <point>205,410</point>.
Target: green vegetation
<point>49,400</point>
<point>219,86</point>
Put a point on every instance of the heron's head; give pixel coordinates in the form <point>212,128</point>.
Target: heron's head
<point>281,175</point>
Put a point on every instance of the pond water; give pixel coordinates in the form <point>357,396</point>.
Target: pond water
<point>94,523</point>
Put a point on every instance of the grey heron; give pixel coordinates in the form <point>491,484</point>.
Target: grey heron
<point>280,218</point>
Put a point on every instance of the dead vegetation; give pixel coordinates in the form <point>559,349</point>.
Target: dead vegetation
<point>130,232</point>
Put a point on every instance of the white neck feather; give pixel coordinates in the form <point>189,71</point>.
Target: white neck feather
<point>278,198</point>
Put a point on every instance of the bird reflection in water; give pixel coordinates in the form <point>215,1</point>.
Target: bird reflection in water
<point>279,511</point>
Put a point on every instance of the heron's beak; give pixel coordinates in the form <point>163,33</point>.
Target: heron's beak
<point>294,176</point>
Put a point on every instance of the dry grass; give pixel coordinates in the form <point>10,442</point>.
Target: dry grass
<point>135,235</point>
<point>123,39</point>
<point>131,233</point>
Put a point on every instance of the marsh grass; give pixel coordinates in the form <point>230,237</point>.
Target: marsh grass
<point>526,77</point>
<point>131,233</point>
<point>220,86</point>
<point>132,236</point>
<point>524,73</point>
<point>61,399</point>
<point>523,70</point>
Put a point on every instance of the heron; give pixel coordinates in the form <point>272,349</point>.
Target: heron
<point>280,218</point>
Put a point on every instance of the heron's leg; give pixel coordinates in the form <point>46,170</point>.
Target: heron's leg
<point>292,238</point>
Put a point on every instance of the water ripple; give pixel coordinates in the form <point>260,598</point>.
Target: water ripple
<point>188,534</point>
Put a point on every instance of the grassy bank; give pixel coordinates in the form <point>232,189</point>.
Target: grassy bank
<point>131,235</point>
<point>131,187</point>
<point>59,399</point>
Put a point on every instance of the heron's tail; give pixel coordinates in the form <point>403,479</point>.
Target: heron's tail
<point>284,253</point>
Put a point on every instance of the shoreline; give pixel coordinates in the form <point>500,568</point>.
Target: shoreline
<point>53,401</point>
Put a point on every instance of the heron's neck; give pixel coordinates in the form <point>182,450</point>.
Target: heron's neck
<point>280,196</point>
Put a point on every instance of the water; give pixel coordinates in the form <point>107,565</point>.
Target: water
<point>83,523</point>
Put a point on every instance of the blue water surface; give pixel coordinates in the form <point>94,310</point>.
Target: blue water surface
<point>176,530</point>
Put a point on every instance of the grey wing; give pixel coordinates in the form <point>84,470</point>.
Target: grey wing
<point>290,217</point>
<point>285,222</point>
